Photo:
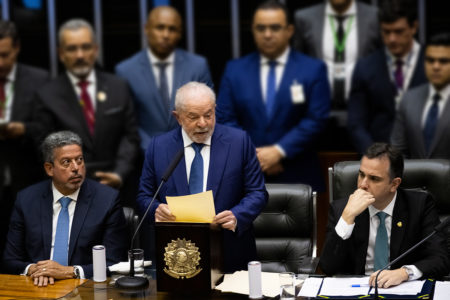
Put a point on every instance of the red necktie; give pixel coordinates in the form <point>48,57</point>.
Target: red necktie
<point>86,104</point>
<point>2,97</point>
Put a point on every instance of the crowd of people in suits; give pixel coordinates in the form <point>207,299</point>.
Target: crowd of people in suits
<point>341,75</point>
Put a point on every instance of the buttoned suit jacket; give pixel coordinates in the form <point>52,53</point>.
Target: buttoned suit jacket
<point>414,217</point>
<point>115,143</point>
<point>309,23</point>
<point>98,220</point>
<point>234,176</point>
<point>294,126</point>
<point>407,134</point>
<point>371,106</point>
<point>152,114</point>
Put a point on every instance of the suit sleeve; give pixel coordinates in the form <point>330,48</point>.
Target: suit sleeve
<point>301,136</point>
<point>358,111</point>
<point>399,134</point>
<point>205,74</point>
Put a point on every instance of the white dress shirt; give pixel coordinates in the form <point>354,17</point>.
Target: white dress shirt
<point>170,60</point>
<point>91,88</point>
<point>345,230</point>
<point>445,94</point>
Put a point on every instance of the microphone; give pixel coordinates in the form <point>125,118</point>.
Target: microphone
<point>132,282</point>
<point>441,226</point>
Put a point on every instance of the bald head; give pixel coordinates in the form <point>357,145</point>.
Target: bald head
<point>163,30</point>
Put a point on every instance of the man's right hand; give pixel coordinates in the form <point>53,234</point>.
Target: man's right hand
<point>357,203</point>
<point>163,213</point>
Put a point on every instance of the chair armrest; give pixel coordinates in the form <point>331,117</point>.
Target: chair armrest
<point>308,265</point>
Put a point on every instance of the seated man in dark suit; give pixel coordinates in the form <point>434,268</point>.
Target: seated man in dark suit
<point>217,158</point>
<point>357,242</point>
<point>55,223</point>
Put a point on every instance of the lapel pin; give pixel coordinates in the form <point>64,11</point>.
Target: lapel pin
<point>101,96</point>
<point>399,224</point>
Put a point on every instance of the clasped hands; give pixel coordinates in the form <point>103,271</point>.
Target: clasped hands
<point>225,219</point>
<point>45,272</point>
<point>269,158</point>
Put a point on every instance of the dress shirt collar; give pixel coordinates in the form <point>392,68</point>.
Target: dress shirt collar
<point>11,77</point>
<point>153,59</point>
<point>406,58</point>
<point>187,140</point>
<point>444,92</point>
<point>281,60</point>
<point>388,209</point>
<point>90,78</point>
<point>57,194</point>
<point>351,11</point>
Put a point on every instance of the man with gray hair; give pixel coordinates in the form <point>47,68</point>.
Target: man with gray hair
<point>217,158</point>
<point>55,223</point>
<point>95,105</point>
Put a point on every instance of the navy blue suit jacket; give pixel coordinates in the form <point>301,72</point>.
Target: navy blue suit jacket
<point>153,116</point>
<point>371,106</point>
<point>294,126</point>
<point>234,176</point>
<point>98,220</point>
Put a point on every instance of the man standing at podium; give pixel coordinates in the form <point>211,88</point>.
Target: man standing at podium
<point>217,158</point>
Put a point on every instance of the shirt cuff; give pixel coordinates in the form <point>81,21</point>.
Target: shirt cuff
<point>416,272</point>
<point>281,150</point>
<point>81,271</point>
<point>343,229</point>
<point>25,272</point>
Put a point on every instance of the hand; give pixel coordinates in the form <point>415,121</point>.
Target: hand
<point>275,169</point>
<point>45,271</point>
<point>43,281</point>
<point>357,203</point>
<point>268,156</point>
<point>389,278</point>
<point>12,130</point>
<point>226,219</point>
<point>109,178</point>
<point>163,213</point>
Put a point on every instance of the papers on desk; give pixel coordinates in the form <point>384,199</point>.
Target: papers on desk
<point>238,283</point>
<point>345,286</point>
<point>310,287</point>
<point>197,208</point>
<point>441,290</point>
<point>406,288</point>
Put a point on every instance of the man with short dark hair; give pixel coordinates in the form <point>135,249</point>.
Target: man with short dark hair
<point>422,125</point>
<point>379,222</point>
<point>380,79</point>
<point>55,223</point>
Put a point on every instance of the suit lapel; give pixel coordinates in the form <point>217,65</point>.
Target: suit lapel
<point>83,202</point>
<point>361,241</point>
<point>100,106</point>
<point>399,225</point>
<point>254,85</point>
<point>361,29</point>
<point>318,31</point>
<point>417,112</point>
<point>19,87</point>
<point>179,177</point>
<point>441,127</point>
<point>217,162</point>
<point>47,220</point>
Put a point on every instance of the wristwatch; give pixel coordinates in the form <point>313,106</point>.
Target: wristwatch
<point>409,271</point>
<point>76,273</point>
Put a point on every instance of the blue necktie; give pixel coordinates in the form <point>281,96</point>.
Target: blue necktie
<point>271,88</point>
<point>196,175</point>
<point>163,85</point>
<point>431,122</point>
<point>61,247</point>
<point>381,244</point>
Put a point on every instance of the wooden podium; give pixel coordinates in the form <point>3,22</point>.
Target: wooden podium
<point>188,256</point>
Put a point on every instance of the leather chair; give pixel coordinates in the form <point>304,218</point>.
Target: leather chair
<point>132,220</point>
<point>285,231</point>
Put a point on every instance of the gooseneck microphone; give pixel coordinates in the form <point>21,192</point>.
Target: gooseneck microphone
<point>441,226</point>
<point>132,282</point>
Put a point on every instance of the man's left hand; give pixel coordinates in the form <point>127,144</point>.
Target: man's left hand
<point>109,178</point>
<point>226,219</point>
<point>12,130</point>
<point>268,156</point>
<point>51,269</point>
<point>389,278</point>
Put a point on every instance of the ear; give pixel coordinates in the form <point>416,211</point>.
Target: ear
<point>48,169</point>
<point>177,116</point>
<point>415,27</point>
<point>290,30</point>
<point>395,183</point>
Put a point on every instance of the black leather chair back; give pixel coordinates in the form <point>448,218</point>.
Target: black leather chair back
<point>132,220</point>
<point>285,230</point>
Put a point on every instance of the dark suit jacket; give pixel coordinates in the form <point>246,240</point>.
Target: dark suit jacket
<point>115,144</point>
<point>407,134</point>
<point>371,106</point>
<point>153,116</point>
<point>294,126</point>
<point>417,213</point>
<point>309,23</point>
<point>98,220</point>
<point>234,177</point>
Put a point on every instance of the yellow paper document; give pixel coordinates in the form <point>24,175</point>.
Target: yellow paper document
<point>196,208</point>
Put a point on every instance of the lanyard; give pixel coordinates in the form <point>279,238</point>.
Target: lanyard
<point>340,45</point>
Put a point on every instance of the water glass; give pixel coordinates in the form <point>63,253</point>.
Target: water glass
<point>287,286</point>
<point>138,261</point>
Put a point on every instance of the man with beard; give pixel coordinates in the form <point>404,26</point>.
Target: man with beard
<point>55,223</point>
<point>95,105</point>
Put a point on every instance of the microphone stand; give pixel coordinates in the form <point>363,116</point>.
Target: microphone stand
<point>132,282</point>
<point>438,228</point>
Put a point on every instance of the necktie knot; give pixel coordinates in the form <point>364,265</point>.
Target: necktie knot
<point>399,63</point>
<point>272,63</point>
<point>83,84</point>
<point>3,81</point>
<point>65,202</point>
<point>197,147</point>
<point>436,98</point>
<point>340,19</point>
<point>162,65</point>
<point>382,216</point>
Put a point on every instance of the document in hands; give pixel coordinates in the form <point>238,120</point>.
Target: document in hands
<point>196,208</point>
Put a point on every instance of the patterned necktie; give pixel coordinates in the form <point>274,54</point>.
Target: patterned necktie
<point>339,57</point>
<point>398,74</point>
<point>271,87</point>
<point>61,247</point>
<point>2,98</point>
<point>196,174</point>
<point>431,122</point>
<point>163,85</point>
<point>86,105</point>
<point>381,244</point>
